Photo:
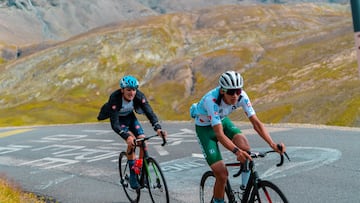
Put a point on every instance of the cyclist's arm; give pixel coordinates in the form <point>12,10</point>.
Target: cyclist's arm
<point>228,144</point>
<point>142,102</point>
<point>221,137</point>
<point>261,130</point>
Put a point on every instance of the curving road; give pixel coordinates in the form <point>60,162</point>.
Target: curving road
<point>78,163</point>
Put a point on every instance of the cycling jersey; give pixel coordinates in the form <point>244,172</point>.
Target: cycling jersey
<point>126,108</point>
<point>121,112</point>
<point>211,109</point>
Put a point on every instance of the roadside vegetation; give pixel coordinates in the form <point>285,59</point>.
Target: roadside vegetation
<point>10,192</point>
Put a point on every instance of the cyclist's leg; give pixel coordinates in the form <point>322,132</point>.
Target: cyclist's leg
<point>131,160</point>
<point>126,124</point>
<point>239,139</point>
<point>209,146</point>
<point>138,131</point>
<point>221,175</point>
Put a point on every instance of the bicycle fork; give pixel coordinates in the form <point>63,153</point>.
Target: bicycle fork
<point>153,182</point>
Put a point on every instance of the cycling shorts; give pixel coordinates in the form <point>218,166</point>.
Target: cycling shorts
<point>131,123</point>
<point>208,141</point>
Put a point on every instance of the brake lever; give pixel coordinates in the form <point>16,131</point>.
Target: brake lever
<point>239,172</point>
<point>282,156</point>
<point>287,156</point>
<point>281,161</point>
<point>163,138</point>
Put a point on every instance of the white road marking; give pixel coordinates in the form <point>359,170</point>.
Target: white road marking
<point>161,150</point>
<point>49,163</point>
<point>197,155</point>
<point>99,132</point>
<point>54,182</point>
<point>304,159</point>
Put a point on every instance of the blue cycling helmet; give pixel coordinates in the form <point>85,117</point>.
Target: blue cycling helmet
<point>129,82</point>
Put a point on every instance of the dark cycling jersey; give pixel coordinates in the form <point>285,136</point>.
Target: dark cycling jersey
<point>119,110</point>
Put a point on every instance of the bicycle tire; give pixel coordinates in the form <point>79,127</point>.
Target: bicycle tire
<point>156,182</point>
<point>267,192</point>
<point>207,188</point>
<point>124,171</point>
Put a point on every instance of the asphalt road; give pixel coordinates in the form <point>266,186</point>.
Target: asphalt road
<point>78,163</point>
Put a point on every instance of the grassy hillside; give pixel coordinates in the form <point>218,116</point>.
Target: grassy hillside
<point>298,62</point>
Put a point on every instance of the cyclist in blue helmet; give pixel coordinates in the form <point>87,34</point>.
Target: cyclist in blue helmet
<point>129,82</point>
<point>120,109</point>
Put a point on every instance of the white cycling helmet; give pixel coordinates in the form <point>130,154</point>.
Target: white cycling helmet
<point>231,80</point>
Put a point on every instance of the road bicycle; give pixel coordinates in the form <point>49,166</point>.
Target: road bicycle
<point>256,190</point>
<point>151,177</point>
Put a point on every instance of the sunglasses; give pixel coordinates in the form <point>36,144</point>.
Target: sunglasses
<point>233,91</point>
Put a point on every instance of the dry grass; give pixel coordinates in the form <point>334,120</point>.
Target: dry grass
<point>10,192</point>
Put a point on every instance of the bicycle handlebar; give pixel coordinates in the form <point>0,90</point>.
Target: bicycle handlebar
<point>263,154</point>
<point>149,137</point>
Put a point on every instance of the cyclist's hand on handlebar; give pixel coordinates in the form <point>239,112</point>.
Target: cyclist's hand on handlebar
<point>279,148</point>
<point>242,156</point>
<point>161,133</point>
<point>130,141</point>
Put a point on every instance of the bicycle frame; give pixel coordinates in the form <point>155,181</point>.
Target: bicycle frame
<point>251,185</point>
<point>256,190</point>
<point>151,177</point>
<point>253,181</point>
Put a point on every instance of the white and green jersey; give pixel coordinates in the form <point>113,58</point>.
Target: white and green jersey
<point>208,112</point>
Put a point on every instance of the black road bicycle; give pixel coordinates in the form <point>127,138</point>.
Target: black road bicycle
<point>151,177</point>
<point>257,190</point>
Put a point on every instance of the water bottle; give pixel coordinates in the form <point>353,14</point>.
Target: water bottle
<point>137,166</point>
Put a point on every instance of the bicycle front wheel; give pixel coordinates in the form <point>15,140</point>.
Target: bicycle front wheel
<point>156,182</point>
<point>207,189</point>
<point>124,170</point>
<point>267,192</point>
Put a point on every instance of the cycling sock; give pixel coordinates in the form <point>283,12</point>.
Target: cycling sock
<point>134,184</point>
<point>131,164</point>
<point>215,200</point>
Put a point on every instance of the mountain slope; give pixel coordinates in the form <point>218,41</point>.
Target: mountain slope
<point>27,26</point>
<point>298,63</point>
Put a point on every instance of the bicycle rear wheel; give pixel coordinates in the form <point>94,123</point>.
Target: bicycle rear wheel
<point>267,192</point>
<point>156,182</point>
<point>132,195</point>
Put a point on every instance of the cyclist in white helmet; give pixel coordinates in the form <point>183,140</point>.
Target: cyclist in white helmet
<point>212,126</point>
